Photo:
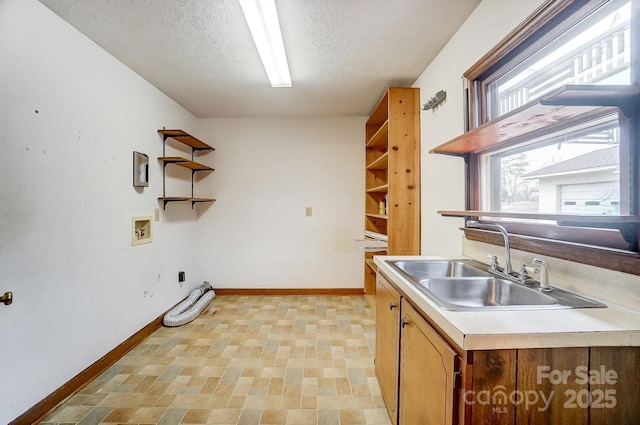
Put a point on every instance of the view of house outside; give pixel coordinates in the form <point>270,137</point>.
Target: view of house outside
<point>578,171</point>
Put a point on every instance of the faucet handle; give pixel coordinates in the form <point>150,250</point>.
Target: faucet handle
<point>523,275</point>
<point>494,262</point>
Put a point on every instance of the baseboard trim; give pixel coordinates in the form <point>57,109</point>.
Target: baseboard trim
<point>289,291</point>
<point>75,384</point>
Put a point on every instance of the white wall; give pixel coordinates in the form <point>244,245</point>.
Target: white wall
<point>443,176</point>
<point>71,116</point>
<point>268,170</point>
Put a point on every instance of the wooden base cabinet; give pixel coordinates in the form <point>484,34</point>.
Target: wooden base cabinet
<point>426,379</point>
<point>387,344</point>
<point>428,373</point>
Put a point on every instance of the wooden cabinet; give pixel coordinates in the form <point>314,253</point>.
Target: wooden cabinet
<point>387,344</point>
<point>392,183</point>
<point>195,145</point>
<point>428,373</point>
<point>426,379</point>
<point>415,367</point>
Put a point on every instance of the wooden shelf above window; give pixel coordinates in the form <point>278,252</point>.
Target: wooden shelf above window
<point>186,139</point>
<point>551,112</point>
<point>593,95</point>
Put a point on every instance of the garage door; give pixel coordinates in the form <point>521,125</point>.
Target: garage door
<point>590,198</point>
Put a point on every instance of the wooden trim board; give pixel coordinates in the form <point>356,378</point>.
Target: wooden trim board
<point>289,291</point>
<point>75,384</point>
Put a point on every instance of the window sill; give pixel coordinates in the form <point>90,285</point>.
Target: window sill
<point>606,258</point>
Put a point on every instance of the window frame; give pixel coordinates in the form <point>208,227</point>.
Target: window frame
<point>599,247</point>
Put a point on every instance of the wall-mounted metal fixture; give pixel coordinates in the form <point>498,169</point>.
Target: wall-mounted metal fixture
<point>437,99</point>
<point>140,169</point>
<point>7,298</point>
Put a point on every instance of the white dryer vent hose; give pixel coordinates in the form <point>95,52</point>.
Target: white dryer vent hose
<point>190,308</point>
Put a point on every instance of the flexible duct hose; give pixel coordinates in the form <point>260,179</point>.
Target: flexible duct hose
<point>190,308</point>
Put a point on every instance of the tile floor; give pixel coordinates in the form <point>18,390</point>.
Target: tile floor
<point>245,360</point>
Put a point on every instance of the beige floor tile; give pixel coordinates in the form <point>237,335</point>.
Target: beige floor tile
<point>297,417</point>
<point>147,415</point>
<point>273,417</point>
<point>352,417</point>
<point>196,416</point>
<point>223,416</point>
<point>119,415</point>
<point>271,360</point>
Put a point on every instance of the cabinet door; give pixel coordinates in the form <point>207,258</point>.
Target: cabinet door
<point>427,373</point>
<point>387,343</point>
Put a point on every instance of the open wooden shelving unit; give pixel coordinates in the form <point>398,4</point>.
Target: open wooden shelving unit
<point>196,145</point>
<point>393,174</point>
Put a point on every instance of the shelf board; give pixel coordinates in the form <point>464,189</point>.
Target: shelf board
<point>592,95</point>
<point>381,113</point>
<point>187,139</point>
<point>372,265</point>
<point>165,200</point>
<point>381,163</point>
<point>381,216</point>
<point>380,138</point>
<point>560,218</point>
<point>184,162</point>
<point>198,200</point>
<point>552,112</point>
<point>379,189</point>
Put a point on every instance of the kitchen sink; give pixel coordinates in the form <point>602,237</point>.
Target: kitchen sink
<point>462,285</point>
<point>481,292</point>
<point>439,268</point>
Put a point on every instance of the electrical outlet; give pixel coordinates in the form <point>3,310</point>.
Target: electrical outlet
<point>309,212</point>
<point>180,276</point>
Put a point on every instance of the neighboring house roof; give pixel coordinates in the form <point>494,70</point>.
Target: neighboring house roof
<point>596,160</point>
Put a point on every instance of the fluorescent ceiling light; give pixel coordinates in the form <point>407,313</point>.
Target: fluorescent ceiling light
<point>262,18</point>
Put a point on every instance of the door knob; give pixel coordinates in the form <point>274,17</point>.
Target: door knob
<point>7,298</point>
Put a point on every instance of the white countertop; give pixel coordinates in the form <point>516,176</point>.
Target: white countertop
<point>504,329</point>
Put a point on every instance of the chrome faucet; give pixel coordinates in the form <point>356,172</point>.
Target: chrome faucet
<point>492,226</point>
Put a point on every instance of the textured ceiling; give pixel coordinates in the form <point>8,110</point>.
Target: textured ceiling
<point>342,54</point>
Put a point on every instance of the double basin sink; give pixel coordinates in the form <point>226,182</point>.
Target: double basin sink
<point>468,285</point>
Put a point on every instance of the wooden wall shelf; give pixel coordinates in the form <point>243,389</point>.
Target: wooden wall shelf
<point>186,139</point>
<point>195,145</point>
<point>166,200</point>
<point>552,111</point>
<point>186,163</point>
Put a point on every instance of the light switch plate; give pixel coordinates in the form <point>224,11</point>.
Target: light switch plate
<point>309,212</point>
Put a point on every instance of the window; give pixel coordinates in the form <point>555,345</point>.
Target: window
<point>564,181</point>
